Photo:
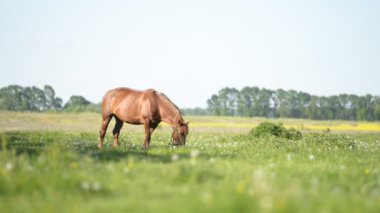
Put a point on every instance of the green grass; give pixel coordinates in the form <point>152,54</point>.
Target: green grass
<point>217,171</point>
<point>49,162</point>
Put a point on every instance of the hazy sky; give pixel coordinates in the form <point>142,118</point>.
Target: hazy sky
<point>191,49</point>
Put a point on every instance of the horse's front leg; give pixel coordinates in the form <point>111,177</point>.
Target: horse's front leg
<point>103,129</point>
<point>147,133</point>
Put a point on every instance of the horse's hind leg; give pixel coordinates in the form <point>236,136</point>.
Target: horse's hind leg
<point>103,129</point>
<point>116,131</point>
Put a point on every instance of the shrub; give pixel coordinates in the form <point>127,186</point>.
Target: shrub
<point>275,129</point>
<point>331,141</point>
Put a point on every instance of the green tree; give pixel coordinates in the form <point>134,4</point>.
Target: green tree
<point>295,105</point>
<point>264,102</point>
<point>52,102</point>
<point>354,104</point>
<point>36,98</point>
<point>214,105</point>
<point>333,105</point>
<point>344,104</point>
<point>365,108</point>
<point>76,103</point>
<point>11,98</point>
<point>253,101</point>
<point>282,103</point>
<point>313,109</point>
<point>255,98</point>
<point>303,101</point>
<point>245,103</point>
<point>228,98</point>
<point>376,110</point>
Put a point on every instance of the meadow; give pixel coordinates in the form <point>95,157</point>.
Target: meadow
<point>49,162</point>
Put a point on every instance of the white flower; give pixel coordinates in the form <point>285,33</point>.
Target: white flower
<point>88,186</point>
<point>289,157</point>
<point>311,157</point>
<point>96,186</point>
<point>9,166</point>
<point>258,175</point>
<point>175,157</point>
<point>85,185</point>
<point>194,153</point>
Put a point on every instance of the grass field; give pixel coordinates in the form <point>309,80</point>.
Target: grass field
<point>50,163</point>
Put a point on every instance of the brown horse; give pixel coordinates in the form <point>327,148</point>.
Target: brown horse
<point>147,107</point>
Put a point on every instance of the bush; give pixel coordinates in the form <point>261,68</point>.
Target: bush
<point>331,141</point>
<point>275,129</point>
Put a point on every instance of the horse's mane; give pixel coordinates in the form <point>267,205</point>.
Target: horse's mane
<point>168,99</point>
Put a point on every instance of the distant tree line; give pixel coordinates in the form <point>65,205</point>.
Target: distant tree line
<point>249,101</point>
<point>196,111</point>
<point>255,101</point>
<point>17,98</point>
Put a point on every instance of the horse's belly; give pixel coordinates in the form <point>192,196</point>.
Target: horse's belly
<point>131,119</point>
<point>134,122</point>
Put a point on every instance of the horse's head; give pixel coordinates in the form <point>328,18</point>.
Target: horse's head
<point>180,133</point>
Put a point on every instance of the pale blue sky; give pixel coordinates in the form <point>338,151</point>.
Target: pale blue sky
<point>191,49</point>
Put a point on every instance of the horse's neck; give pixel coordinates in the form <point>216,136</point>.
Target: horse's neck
<point>172,115</point>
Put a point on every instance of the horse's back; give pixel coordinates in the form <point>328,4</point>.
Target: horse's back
<point>129,105</point>
<point>120,91</point>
